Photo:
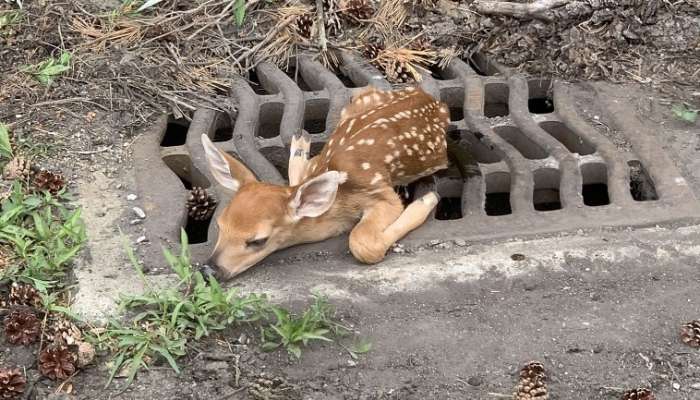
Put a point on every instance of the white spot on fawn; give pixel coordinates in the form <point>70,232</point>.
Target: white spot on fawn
<point>350,148</point>
<point>365,166</point>
<point>388,158</point>
<point>377,177</point>
<point>370,141</point>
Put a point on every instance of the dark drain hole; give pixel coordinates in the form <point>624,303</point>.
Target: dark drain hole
<point>406,193</point>
<point>595,184</point>
<point>496,100</point>
<point>545,196</point>
<point>224,128</point>
<point>182,166</point>
<point>454,98</point>
<point>449,208</point>
<point>270,120</point>
<point>315,113</point>
<point>641,185</point>
<point>497,194</point>
<point>540,105</point>
<point>197,231</point>
<point>595,194</point>
<point>540,96</point>
<point>175,133</point>
<point>498,204</point>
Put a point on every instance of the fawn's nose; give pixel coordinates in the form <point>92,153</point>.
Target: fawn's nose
<point>209,269</point>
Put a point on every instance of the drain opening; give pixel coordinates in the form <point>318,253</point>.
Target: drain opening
<point>641,185</point>
<point>296,76</point>
<point>454,98</point>
<point>270,120</point>
<point>197,231</point>
<point>175,133</point>
<point>522,143</point>
<point>545,196</point>
<point>189,175</point>
<point>496,100</point>
<point>497,194</point>
<point>279,157</point>
<point>481,65</point>
<point>315,113</point>
<point>574,143</point>
<point>315,149</point>
<point>540,96</point>
<point>595,184</point>
<point>449,208</point>
<point>441,73</point>
<point>255,83</point>
<point>224,128</point>
<point>449,186</point>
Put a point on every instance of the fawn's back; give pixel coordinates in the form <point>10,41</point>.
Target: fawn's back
<point>386,139</point>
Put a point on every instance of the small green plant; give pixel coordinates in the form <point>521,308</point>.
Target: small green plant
<point>682,112</point>
<point>47,70</point>
<point>290,331</point>
<point>5,146</point>
<point>9,18</point>
<point>164,320</point>
<point>239,11</point>
<point>44,233</point>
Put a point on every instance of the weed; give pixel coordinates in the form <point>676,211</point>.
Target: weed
<point>682,112</point>
<point>239,11</point>
<point>165,320</point>
<point>47,71</point>
<point>5,146</point>
<point>44,233</point>
<point>9,18</point>
<point>290,331</point>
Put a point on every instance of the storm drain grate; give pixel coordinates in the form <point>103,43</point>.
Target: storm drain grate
<point>533,164</point>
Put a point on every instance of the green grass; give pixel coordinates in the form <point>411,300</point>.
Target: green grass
<point>9,18</point>
<point>48,70</point>
<point>684,113</point>
<point>163,321</point>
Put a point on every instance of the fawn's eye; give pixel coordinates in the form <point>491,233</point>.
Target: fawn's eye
<point>256,242</point>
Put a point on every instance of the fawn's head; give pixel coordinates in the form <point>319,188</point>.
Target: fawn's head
<point>261,217</point>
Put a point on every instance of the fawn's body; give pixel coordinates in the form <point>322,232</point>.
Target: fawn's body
<point>384,139</point>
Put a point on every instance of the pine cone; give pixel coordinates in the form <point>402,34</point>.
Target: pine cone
<point>12,383</point>
<point>399,72</point>
<point>690,333</point>
<point>359,9</point>
<point>60,330</point>
<point>372,50</point>
<point>304,25</point>
<point>17,168</point>
<point>22,294</point>
<point>532,384</point>
<point>200,205</point>
<point>638,394</point>
<point>47,180</point>
<point>22,326</point>
<point>57,362</point>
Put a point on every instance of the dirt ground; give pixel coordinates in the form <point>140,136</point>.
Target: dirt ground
<point>603,318</point>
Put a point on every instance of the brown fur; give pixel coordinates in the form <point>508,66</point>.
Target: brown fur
<point>383,139</point>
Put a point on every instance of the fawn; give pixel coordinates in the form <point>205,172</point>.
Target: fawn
<point>383,139</point>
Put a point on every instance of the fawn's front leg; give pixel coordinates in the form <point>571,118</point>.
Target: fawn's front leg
<point>298,158</point>
<point>385,222</point>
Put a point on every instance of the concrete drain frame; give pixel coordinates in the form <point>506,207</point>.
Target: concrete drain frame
<point>538,167</point>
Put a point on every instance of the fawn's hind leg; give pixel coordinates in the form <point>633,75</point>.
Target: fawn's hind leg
<point>385,222</point>
<point>298,158</point>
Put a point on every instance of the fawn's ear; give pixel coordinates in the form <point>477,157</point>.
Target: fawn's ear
<point>316,196</point>
<point>229,172</point>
